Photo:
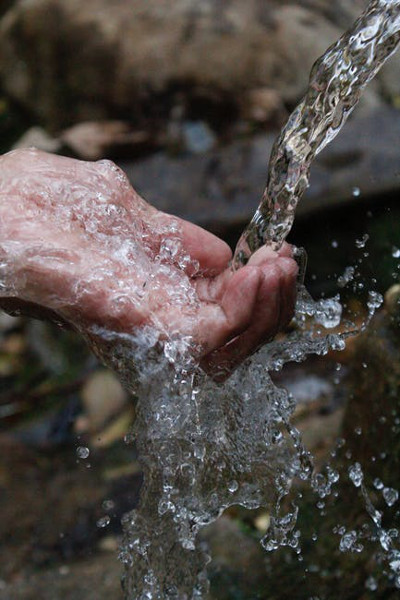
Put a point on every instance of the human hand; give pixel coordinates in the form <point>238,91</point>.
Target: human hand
<point>78,243</point>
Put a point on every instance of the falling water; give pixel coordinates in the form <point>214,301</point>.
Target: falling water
<point>337,81</point>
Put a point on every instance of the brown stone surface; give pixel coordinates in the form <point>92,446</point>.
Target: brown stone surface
<point>69,61</point>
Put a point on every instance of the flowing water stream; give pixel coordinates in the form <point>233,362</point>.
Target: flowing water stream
<point>206,446</point>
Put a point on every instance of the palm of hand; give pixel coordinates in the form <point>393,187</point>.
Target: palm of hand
<point>77,240</point>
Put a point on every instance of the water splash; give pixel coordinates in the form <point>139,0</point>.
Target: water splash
<point>202,450</point>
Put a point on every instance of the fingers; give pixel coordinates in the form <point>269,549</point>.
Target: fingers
<point>266,254</point>
<point>272,311</point>
<point>219,322</point>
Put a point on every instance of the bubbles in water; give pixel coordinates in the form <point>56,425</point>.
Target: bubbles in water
<point>82,452</point>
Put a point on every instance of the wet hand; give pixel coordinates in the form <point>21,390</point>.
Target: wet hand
<point>78,244</point>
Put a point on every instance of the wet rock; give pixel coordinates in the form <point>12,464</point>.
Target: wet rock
<point>113,57</point>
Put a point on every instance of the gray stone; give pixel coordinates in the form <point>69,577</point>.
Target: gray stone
<point>220,190</point>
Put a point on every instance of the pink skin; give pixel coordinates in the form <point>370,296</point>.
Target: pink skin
<point>77,241</point>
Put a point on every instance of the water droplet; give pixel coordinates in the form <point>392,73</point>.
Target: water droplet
<point>375,300</point>
<point>371,584</point>
<point>378,484</point>
<point>356,192</point>
<point>233,486</point>
<point>395,252</point>
<point>356,474</point>
<point>348,542</point>
<point>390,495</point>
<point>333,475</point>
<point>108,505</point>
<point>103,522</point>
<point>329,312</point>
<point>360,243</point>
<point>334,244</point>
<point>82,452</point>
<point>348,275</point>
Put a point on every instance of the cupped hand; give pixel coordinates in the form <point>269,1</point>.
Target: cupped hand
<point>79,244</point>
